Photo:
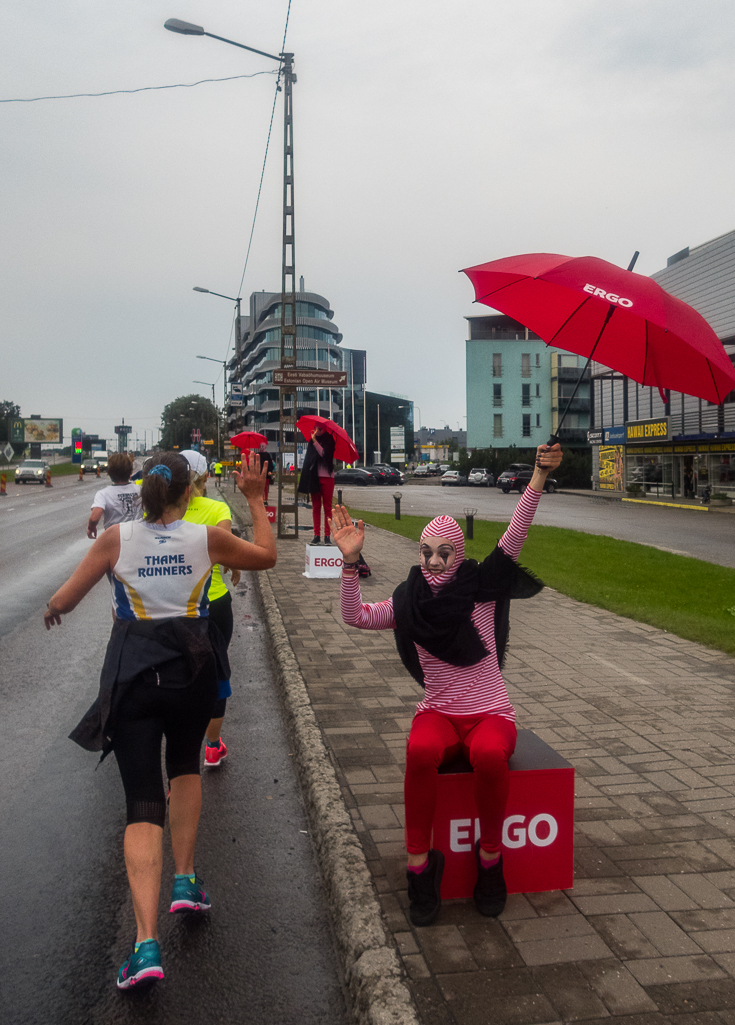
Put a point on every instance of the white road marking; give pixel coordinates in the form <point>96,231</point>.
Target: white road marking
<point>618,670</point>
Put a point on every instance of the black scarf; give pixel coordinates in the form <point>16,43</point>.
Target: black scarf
<point>442,623</point>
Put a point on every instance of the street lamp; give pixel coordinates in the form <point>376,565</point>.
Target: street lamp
<point>287,394</point>
<point>215,408</point>
<point>237,302</point>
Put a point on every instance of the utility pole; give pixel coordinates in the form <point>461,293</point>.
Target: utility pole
<point>288,499</point>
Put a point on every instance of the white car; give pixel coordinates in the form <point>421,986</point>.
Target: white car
<point>31,470</point>
<point>453,477</point>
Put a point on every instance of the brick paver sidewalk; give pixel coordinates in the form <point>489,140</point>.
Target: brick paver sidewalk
<point>647,934</point>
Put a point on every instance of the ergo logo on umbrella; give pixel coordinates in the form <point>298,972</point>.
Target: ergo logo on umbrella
<point>611,297</point>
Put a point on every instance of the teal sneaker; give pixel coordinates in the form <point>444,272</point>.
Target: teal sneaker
<point>143,965</point>
<point>189,895</point>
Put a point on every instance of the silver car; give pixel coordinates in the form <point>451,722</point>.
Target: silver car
<point>31,469</point>
<point>481,478</point>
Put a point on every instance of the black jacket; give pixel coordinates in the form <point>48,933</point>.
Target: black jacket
<point>178,650</point>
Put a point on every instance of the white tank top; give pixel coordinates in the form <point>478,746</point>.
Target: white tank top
<point>162,571</point>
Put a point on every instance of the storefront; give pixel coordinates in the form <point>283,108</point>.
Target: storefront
<point>660,465</point>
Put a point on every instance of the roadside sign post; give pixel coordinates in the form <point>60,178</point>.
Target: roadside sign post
<point>398,445</point>
<point>8,453</point>
<point>122,431</point>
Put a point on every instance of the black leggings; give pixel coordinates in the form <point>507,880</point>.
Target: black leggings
<point>220,613</point>
<point>148,713</point>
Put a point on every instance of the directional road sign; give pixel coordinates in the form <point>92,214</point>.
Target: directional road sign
<point>301,377</point>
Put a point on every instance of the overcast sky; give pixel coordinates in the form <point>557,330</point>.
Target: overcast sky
<point>429,136</point>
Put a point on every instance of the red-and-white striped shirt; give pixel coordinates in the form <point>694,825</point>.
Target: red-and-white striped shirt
<point>453,690</point>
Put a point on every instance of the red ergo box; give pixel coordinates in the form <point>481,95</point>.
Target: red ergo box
<point>538,832</point>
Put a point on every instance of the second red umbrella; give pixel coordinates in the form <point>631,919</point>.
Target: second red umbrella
<point>344,447</point>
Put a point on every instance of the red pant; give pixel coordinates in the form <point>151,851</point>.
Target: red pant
<point>319,498</point>
<point>488,741</point>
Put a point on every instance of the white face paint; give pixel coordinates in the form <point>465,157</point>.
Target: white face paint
<point>437,554</point>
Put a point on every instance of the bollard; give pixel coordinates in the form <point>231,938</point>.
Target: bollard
<point>397,503</point>
<point>339,496</point>
<point>81,473</point>
<point>48,479</point>
<point>3,482</point>
<point>469,515</point>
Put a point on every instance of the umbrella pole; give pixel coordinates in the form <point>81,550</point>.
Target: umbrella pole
<point>554,438</point>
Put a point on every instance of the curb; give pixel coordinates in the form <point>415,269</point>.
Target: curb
<point>372,971</point>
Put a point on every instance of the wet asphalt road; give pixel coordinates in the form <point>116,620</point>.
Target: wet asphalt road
<point>702,535</point>
<point>264,953</point>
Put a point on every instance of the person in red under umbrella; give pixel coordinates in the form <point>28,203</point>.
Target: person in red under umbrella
<point>317,480</point>
<point>451,622</point>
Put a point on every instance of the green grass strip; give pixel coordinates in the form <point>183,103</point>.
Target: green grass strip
<point>685,596</point>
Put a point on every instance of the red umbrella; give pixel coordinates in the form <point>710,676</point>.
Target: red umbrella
<point>344,447</point>
<point>625,320</point>
<point>248,439</point>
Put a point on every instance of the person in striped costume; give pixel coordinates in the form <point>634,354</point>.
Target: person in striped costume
<point>450,619</point>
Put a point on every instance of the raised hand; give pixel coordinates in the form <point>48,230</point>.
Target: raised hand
<point>348,538</point>
<point>252,480</point>
<point>548,458</point>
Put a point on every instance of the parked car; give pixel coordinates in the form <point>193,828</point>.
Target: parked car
<point>357,475</point>
<point>90,466</point>
<point>432,469</point>
<point>422,470</point>
<point>480,479</point>
<point>31,470</point>
<point>443,467</point>
<point>381,476</point>
<point>518,480</point>
<point>396,477</point>
<point>453,478</point>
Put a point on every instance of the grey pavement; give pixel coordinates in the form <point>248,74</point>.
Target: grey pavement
<point>646,936</point>
<point>265,952</point>
<point>692,532</point>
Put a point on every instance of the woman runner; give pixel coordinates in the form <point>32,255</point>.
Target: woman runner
<point>160,678</point>
<point>451,626</point>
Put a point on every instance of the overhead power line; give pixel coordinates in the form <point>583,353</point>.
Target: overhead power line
<point>142,89</point>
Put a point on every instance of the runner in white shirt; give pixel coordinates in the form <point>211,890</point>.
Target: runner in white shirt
<point>118,502</point>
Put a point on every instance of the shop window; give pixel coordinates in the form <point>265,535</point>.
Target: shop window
<point>525,364</point>
<point>498,425</point>
<point>497,395</point>
<point>526,431</point>
<point>497,364</point>
<point>525,394</point>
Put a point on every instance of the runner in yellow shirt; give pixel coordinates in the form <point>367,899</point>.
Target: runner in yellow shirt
<point>217,514</point>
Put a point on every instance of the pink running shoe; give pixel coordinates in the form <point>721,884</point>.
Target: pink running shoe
<point>214,756</point>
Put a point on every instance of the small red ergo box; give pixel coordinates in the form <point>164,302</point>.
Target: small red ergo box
<point>270,511</point>
<point>538,831</point>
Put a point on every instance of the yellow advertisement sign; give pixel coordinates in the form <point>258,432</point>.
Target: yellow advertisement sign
<point>611,467</point>
<point>648,430</point>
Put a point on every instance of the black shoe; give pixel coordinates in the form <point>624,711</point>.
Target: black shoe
<point>317,540</point>
<point>327,540</point>
<point>424,890</point>
<point>490,892</point>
